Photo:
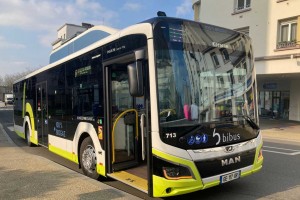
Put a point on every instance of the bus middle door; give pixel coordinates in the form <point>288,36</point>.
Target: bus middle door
<point>42,113</point>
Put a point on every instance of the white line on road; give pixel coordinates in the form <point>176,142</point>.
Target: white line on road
<point>280,148</point>
<point>278,152</point>
<point>293,151</point>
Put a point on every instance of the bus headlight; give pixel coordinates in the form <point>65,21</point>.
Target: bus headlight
<point>171,171</point>
<point>176,173</point>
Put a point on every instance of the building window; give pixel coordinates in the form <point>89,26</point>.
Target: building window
<point>215,60</point>
<point>287,34</point>
<point>241,5</point>
<point>225,55</point>
<point>220,81</point>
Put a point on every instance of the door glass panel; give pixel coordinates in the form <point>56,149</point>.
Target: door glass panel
<point>124,134</point>
<point>42,114</point>
<point>121,99</point>
<point>124,118</point>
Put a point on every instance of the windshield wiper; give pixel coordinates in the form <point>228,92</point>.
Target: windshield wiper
<point>246,117</point>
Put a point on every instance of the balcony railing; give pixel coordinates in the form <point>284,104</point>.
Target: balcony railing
<point>286,44</point>
<point>242,8</point>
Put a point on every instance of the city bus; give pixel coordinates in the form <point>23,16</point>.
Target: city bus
<point>167,106</point>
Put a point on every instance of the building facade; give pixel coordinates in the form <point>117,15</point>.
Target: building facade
<point>69,31</point>
<point>274,28</point>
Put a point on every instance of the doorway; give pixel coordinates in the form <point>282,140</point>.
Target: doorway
<point>42,113</point>
<point>126,121</point>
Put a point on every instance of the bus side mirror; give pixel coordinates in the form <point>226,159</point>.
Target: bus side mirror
<point>135,78</point>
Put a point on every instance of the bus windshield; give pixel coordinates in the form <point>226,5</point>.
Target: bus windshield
<point>205,74</point>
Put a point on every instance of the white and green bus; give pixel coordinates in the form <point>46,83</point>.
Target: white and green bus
<point>168,106</point>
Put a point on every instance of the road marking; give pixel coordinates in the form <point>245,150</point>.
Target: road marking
<point>293,152</point>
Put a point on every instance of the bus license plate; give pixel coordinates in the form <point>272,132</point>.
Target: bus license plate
<point>230,177</point>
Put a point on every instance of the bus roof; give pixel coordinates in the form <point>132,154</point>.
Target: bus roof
<point>144,27</point>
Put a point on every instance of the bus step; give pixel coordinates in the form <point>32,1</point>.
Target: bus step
<point>130,179</point>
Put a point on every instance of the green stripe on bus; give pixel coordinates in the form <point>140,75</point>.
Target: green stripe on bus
<point>21,134</point>
<point>68,155</point>
<point>33,137</point>
<point>24,99</point>
<point>178,187</point>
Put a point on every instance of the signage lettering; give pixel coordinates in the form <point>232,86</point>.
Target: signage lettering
<point>230,161</point>
<point>58,131</point>
<point>226,137</point>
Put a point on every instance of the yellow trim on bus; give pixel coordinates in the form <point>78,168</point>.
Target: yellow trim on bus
<point>101,169</point>
<point>24,100</point>
<point>258,161</point>
<point>163,187</point>
<point>68,155</point>
<point>33,137</point>
<point>20,134</point>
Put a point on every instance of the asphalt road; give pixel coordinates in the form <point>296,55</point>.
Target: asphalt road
<point>279,178</point>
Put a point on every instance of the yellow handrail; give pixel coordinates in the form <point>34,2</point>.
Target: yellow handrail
<point>113,130</point>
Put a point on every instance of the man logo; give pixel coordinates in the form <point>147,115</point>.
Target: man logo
<point>230,161</point>
<point>229,149</point>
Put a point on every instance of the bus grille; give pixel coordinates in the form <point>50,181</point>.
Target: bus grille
<point>225,164</point>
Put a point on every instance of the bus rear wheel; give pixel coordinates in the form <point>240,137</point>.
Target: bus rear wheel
<point>88,158</point>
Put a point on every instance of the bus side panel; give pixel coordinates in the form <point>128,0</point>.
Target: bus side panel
<point>69,149</point>
<point>24,94</point>
<point>18,104</point>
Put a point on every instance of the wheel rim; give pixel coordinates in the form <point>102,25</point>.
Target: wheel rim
<point>89,159</point>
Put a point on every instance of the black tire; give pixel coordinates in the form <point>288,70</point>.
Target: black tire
<point>88,159</point>
<point>27,136</point>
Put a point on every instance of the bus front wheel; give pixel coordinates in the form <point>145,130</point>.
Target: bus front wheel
<point>27,132</point>
<point>88,158</point>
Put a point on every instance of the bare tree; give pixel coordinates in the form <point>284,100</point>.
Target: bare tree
<point>1,81</point>
<point>9,79</point>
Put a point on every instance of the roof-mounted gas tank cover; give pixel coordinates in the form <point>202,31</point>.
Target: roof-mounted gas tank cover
<point>161,14</point>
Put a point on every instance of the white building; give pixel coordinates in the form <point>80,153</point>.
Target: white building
<point>273,27</point>
<point>67,32</point>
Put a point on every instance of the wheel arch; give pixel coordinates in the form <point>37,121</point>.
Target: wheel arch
<point>84,130</point>
<point>82,137</point>
<point>29,119</point>
<point>26,122</point>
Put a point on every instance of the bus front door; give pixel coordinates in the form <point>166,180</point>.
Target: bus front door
<point>124,121</point>
<point>42,113</point>
<point>127,164</point>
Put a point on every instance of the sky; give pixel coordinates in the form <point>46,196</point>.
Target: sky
<point>28,27</point>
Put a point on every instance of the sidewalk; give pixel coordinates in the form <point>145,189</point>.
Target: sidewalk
<point>7,107</point>
<point>283,130</point>
<point>27,176</point>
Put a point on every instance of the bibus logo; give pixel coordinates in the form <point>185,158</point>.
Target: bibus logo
<point>226,137</point>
